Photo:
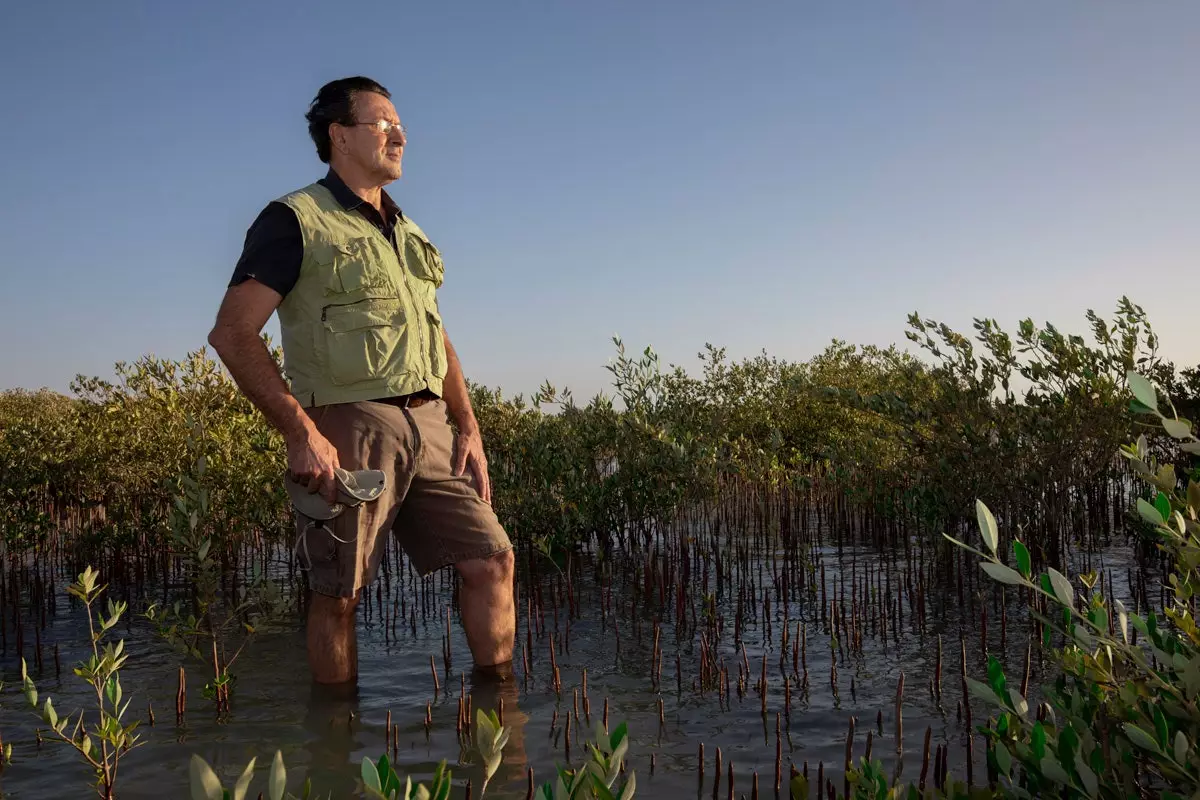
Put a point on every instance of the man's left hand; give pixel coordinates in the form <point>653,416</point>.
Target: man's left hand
<point>468,453</point>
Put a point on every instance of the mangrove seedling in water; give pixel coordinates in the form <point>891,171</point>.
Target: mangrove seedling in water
<point>113,738</point>
<point>204,630</point>
<point>595,778</point>
<point>379,778</point>
<point>205,785</point>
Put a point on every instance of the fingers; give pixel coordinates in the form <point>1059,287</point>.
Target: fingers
<point>313,468</point>
<point>461,450</point>
<point>483,483</point>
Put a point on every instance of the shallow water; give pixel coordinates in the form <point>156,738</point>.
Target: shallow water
<point>325,739</point>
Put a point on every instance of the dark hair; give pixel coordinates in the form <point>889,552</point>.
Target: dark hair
<point>335,103</point>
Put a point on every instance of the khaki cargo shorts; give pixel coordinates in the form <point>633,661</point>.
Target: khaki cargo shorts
<point>438,518</point>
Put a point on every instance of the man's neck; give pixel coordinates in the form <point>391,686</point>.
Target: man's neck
<point>365,187</point>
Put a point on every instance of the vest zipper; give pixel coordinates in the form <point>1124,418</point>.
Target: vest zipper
<point>412,300</point>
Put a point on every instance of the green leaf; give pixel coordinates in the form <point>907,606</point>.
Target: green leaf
<point>1149,513</point>
<point>798,788</point>
<point>1001,573</point>
<point>1019,703</point>
<point>996,677</point>
<point>981,690</point>
<point>1024,565</point>
<point>987,526</point>
<point>370,775</point>
<point>1086,776</point>
<point>1062,588</point>
<point>1137,408</point>
<point>1140,737</point>
<point>1177,428</point>
<point>243,783</point>
<point>630,786</point>
<point>1068,745</point>
<point>1142,390</point>
<point>1181,747</point>
<point>1163,505</point>
<point>1160,728</point>
<point>1054,771</point>
<point>618,735</point>
<point>204,783</point>
<point>1003,758</point>
<point>1038,741</point>
<point>277,782</point>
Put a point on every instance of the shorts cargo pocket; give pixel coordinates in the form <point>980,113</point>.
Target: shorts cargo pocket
<point>361,339</point>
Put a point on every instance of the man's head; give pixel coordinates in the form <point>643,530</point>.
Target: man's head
<point>356,129</point>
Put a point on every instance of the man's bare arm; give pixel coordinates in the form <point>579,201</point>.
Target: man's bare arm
<point>454,390</point>
<point>237,338</point>
<point>469,445</point>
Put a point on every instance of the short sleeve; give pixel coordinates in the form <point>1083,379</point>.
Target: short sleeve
<point>273,250</point>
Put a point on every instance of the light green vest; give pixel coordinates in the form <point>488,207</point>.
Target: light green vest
<point>360,323</point>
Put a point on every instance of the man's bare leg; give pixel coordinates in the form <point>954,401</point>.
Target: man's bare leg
<point>488,614</point>
<point>332,644</point>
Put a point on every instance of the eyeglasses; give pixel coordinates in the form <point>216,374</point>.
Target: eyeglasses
<point>384,126</point>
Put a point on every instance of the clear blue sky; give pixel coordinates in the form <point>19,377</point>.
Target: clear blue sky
<point>756,175</point>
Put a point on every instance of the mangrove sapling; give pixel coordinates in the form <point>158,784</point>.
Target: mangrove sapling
<point>379,778</point>
<point>113,738</point>
<point>596,776</point>
<point>1123,719</point>
<point>205,785</point>
<point>205,630</point>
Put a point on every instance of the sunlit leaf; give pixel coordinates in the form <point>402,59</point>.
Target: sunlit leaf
<point>1001,573</point>
<point>1062,588</point>
<point>204,783</point>
<point>1177,428</point>
<point>370,775</point>
<point>243,783</point>
<point>987,526</point>
<point>1142,390</point>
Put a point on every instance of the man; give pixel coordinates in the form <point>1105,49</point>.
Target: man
<point>374,382</point>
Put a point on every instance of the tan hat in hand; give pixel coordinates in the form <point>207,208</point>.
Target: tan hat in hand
<point>353,488</point>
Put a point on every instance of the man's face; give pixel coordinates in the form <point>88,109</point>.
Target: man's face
<point>377,153</point>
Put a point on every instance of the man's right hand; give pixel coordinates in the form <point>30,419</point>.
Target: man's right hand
<point>311,461</point>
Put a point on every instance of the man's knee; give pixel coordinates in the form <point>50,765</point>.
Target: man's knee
<point>333,608</point>
<point>495,570</point>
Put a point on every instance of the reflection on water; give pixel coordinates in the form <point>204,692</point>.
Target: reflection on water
<point>324,734</point>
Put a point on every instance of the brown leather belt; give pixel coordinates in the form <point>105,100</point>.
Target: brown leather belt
<point>414,400</point>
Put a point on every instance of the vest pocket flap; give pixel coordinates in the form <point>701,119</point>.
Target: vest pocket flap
<point>327,252</point>
<point>367,314</point>
<point>423,258</point>
<point>355,265</point>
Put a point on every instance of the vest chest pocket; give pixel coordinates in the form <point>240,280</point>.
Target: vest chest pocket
<point>363,340</point>
<point>358,265</point>
<point>422,258</point>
